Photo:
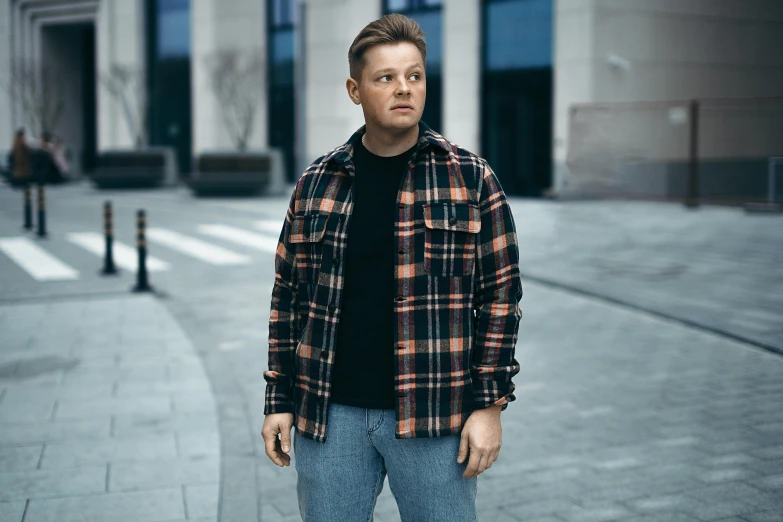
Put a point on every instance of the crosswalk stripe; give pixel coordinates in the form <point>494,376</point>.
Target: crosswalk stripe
<point>202,250</point>
<point>124,256</point>
<point>269,225</point>
<point>242,237</point>
<point>36,261</point>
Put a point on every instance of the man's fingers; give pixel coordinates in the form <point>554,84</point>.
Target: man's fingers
<point>463,449</point>
<point>483,465</point>
<point>473,464</point>
<point>270,441</point>
<point>272,445</point>
<point>285,438</point>
<point>284,459</point>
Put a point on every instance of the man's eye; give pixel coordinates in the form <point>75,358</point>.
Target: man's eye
<point>416,76</point>
<point>386,78</point>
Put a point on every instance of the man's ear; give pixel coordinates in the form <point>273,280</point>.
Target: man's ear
<point>352,86</point>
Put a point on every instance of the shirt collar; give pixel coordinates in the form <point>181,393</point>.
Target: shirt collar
<point>343,154</point>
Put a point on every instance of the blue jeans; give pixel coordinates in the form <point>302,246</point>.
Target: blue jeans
<point>340,479</point>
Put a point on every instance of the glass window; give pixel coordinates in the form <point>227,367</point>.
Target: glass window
<point>519,34</point>
<point>397,5</point>
<point>430,23</point>
<point>284,12</point>
<point>283,57</point>
<point>173,28</point>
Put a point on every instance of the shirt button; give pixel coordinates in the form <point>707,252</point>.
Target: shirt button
<point>332,308</point>
<point>452,221</point>
<point>401,206</point>
<point>400,298</point>
<point>324,354</point>
<point>401,252</point>
<point>401,346</point>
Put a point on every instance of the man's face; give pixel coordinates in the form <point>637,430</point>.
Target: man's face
<point>392,89</point>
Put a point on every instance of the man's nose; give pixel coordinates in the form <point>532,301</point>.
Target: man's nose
<point>403,88</point>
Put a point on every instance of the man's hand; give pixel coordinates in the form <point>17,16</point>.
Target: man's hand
<point>278,449</point>
<point>482,436</point>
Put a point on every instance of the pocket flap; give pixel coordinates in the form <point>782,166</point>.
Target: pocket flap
<point>308,229</point>
<point>461,217</point>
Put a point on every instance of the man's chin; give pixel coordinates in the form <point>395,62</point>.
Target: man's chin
<point>400,124</point>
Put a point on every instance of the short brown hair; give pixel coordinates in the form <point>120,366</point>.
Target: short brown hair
<point>390,28</point>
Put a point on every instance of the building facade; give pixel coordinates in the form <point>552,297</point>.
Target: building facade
<point>504,76</point>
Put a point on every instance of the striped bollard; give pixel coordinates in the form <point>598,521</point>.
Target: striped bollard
<point>28,207</point>
<point>41,210</point>
<point>142,281</point>
<point>108,232</point>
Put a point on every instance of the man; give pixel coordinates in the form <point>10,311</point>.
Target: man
<point>395,307</point>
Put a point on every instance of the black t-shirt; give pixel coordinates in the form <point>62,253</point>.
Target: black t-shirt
<point>363,372</point>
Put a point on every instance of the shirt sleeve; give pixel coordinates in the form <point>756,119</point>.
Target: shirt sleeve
<point>497,293</point>
<point>283,322</point>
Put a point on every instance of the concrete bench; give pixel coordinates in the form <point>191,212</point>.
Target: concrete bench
<point>236,173</point>
<point>150,167</point>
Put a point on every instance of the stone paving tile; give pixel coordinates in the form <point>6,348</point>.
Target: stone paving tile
<point>16,409</point>
<point>605,513</point>
<point>52,483</point>
<point>107,406</point>
<point>11,511</point>
<point>127,476</point>
<point>763,516</point>
<point>147,506</point>
<point>128,375</point>
<point>189,401</point>
<point>53,431</point>
<point>195,444</point>
<point>142,425</point>
<point>20,458</point>
<point>128,389</point>
<point>201,501</point>
<point>530,509</point>
<point>86,453</point>
<point>56,391</point>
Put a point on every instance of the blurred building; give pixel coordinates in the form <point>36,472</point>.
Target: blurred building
<point>504,76</point>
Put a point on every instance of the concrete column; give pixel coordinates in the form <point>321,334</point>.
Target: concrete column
<point>8,124</point>
<point>462,73</point>
<point>120,39</point>
<point>573,72</point>
<point>219,25</point>
<point>331,26</point>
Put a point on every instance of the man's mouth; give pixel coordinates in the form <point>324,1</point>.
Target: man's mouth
<point>402,107</point>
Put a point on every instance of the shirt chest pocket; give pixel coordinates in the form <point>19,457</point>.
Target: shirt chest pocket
<point>450,236</point>
<point>307,236</point>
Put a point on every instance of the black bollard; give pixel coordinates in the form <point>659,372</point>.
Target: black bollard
<point>28,207</point>
<point>108,260</point>
<point>142,282</point>
<point>41,211</point>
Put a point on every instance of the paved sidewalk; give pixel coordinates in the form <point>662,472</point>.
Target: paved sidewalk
<point>106,414</point>
<point>715,267</point>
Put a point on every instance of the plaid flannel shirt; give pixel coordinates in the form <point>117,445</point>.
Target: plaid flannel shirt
<point>457,284</point>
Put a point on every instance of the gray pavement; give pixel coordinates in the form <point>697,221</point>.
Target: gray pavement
<point>105,414</point>
<point>651,387</point>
